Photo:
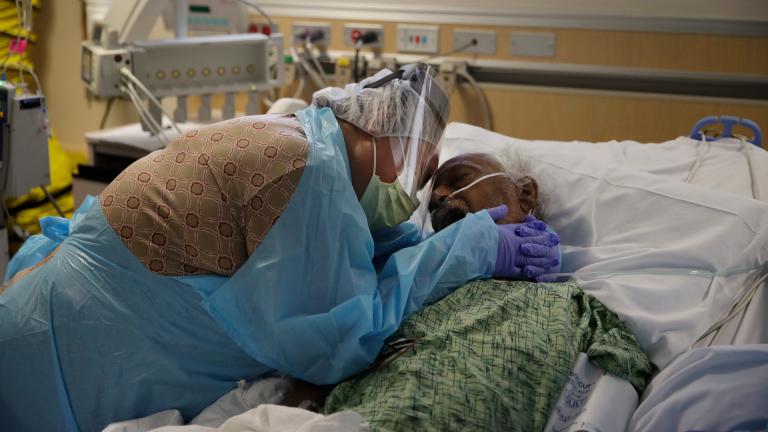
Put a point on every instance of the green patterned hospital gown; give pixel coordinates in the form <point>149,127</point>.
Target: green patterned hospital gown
<point>491,356</point>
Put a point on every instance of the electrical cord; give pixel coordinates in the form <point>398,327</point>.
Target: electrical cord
<point>143,114</point>
<point>486,108</point>
<point>128,74</point>
<point>355,67</point>
<point>364,39</point>
<point>261,11</point>
<point>52,200</point>
<point>107,110</point>
<point>145,118</point>
<point>140,109</point>
<point>462,48</point>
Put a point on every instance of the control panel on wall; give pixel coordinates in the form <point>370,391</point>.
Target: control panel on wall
<point>418,38</point>
<point>317,33</point>
<point>353,33</point>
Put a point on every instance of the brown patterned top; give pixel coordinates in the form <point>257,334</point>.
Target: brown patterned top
<point>205,202</point>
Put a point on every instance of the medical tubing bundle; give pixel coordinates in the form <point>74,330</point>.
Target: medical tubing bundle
<point>308,45</point>
<point>746,148</point>
<point>308,69</point>
<point>127,73</point>
<point>145,117</point>
<point>366,38</point>
<point>458,50</point>
<point>738,306</point>
<point>485,106</point>
<point>699,159</point>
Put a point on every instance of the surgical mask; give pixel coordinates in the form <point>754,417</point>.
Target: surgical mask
<point>386,204</point>
<point>485,177</point>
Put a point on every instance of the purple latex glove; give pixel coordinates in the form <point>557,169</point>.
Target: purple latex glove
<point>526,250</point>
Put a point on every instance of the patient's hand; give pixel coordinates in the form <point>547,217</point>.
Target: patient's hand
<point>526,250</point>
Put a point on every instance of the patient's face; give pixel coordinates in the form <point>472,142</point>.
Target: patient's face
<point>462,170</point>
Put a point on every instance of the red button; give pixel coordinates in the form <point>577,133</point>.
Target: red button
<point>417,38</point>
<point>356,35</point>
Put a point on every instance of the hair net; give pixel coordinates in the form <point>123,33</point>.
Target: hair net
<point>408,106</point>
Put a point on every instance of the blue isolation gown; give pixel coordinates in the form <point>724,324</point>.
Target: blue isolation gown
<point>93,337</point>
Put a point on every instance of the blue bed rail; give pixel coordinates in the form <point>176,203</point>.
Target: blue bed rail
<point>728,123</point>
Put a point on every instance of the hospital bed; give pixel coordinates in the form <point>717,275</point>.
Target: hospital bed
<point>672,237</point>
<point>641,216</point>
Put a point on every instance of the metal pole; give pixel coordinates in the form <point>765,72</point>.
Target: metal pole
<point>182,11</point>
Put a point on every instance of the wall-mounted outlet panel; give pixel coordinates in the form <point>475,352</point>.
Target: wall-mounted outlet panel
<point>418,38</point>
<point>321,32</point>
<point>486,41</point>
<point>532,44</point>
<point>353,31</point>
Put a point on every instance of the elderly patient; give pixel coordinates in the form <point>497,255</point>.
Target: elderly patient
<point>472,182</point>
<point>494,354</point>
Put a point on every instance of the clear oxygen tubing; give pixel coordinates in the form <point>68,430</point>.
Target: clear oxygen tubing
<point>737,308</point>
<point>485,177</point>
<point>136,100</point>
<point>746,148</point>
<point>660,271</point>
<point>128,74</point>
<point>699,158</point>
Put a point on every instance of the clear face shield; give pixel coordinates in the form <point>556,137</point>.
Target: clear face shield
<point>415,135</point>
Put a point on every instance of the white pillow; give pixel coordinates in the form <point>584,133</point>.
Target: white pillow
<point>672,160</point>
<point>619,218</point>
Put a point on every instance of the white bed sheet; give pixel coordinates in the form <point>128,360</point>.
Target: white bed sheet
<point>623,206</point>
<point>708,389</point>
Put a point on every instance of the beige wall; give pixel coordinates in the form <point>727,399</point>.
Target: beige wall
<point>563,114</point>
<point>523,112</point>
<point>556,114</point>
<point>710,53</point>
<point>57,59</point>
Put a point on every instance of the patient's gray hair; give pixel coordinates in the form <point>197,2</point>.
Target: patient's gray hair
<point>520,169</point>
